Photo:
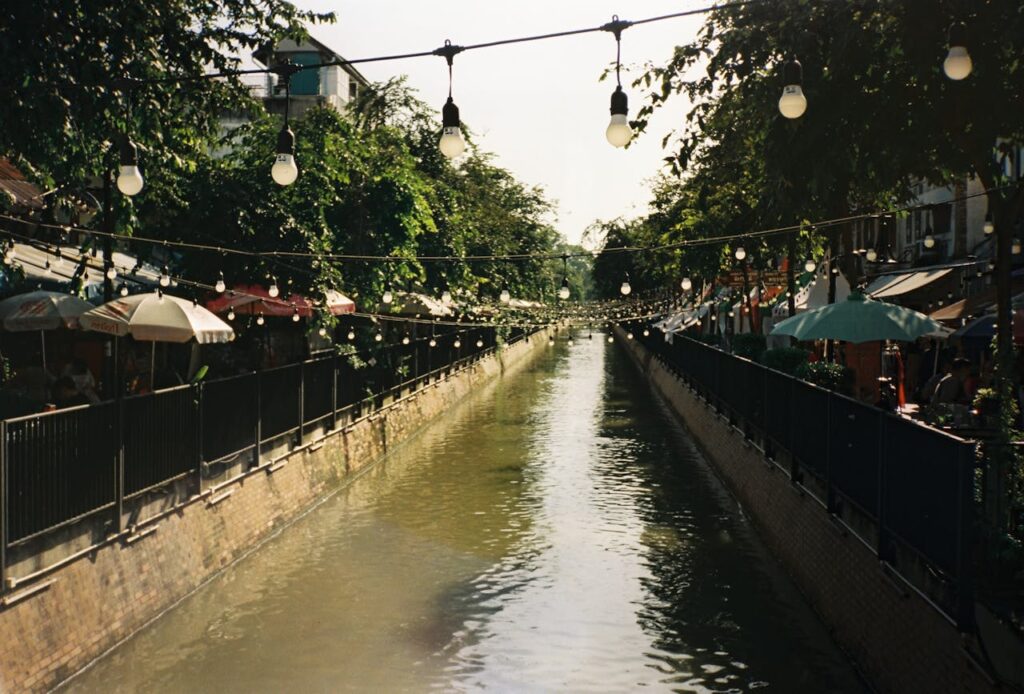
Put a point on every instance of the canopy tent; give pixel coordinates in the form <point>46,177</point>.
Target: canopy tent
<point>33,261</point>
<point>812,295</point>
<point>898,284</point>
<point>42,311</point>
<point>973,306</point>
<point>255,299</point>
<point>413,304</point>
<point>859,319</point>
<point>985,327</point>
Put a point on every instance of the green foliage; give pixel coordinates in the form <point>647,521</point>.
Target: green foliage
<point>826,374</point>
<point>785,359</point>
<point>749,345</point>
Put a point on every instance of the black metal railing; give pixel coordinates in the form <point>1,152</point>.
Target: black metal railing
<point>59,467</point>
<point>912,483</point>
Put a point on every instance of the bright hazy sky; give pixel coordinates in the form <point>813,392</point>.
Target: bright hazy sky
<point>538,106</point>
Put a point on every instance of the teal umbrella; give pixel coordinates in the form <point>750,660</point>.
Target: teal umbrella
<point>859,319</point>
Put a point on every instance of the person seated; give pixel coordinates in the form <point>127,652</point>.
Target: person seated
<point>950,389</point>
<point>78,371</point>
<point>65,393</point>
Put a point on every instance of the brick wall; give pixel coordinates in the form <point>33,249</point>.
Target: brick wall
<point>899,642</point>
<point>99,600</point>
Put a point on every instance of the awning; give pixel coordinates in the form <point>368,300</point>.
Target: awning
<point>888,286</point>
<point>976,305</point>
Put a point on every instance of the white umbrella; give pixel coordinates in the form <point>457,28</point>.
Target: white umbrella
<point>42,311</point>
<point>157,317</point>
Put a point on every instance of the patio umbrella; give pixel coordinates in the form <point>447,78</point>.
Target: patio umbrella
<point>859,319</point>
<point>42,311</point>
<point>985,327</point>
<point>157,317</point>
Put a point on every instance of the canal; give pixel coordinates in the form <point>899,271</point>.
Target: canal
<point>559,532</point>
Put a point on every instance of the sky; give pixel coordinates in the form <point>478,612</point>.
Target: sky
<point>539,106</point>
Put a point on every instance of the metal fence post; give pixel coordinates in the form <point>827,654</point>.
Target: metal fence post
<point>964,537</point>
<point>334,392</point>
<point>3,506</point>
<point>830,496</point>
<point>119,466</point>
<point>200,388</point>
<point>302,401</point>
<point>259,417</point>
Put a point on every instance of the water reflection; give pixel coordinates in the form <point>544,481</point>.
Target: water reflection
<point>557,533</point>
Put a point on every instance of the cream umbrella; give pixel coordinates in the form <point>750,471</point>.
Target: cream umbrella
<point>157,317</point>
<point>42,311</point>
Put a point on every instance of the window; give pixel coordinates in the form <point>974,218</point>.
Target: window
<point>353,89</point>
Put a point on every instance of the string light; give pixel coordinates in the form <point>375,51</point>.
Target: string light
<point>433,342</point>
<point>295,315</point>
<point>1015,247</point>
<point>221,285</point>
<point>792,103</point>
<point>810,265</point>
<point>618,132</point>
<point>958,64</point>
<point>505,296</point>
<point>871,255</point>
<point>123,290</point>
<point>686,284</point>
<point>446,297</point>
<point>111,273</point>
<point>988,226</point>
<point>451,143</point>
<point>273,291</point>
<point>457,344</point>
<point>388,297</point>
<point>231,314</point>
<point>351,335</point>
<point>260,320</point>
<point>284,172</point>
<point>165,278</point>
<point>610,338</point>
<point>378,337</point>
<point>129,178</point>
<point>741,253</point>
<point>322,331</point>
<point>929,241</point>
<point>479,343</point>
<point>625,288</point>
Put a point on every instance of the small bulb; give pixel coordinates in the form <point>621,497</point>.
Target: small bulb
<point>741,253</point>
<point>259,319</point>
<point>295,316</point>
<point>273,291</point>
<point>929,241</point>
<point>129,180</point>
<point>629,336</point>
<point>165,279</point>
<point>451,143</point>
<point>958,64</point>
<point>570,342</point>
<point>457,344</point>
<point>284,172</point>
<point>351,335</point>
<point>433,342</point>
<point>322,331</point>
<point>686,284</point>
<point>231,314</point>
<point>563,292</point>
<point>479,343</point>
<point>405,340</point>
<point>988,227</point>
<point>625,289</point>
<point>647,333</point>
<point>123,291</point>
<point>111,273</point>
<point>871,256</point>
<point>611,339</point>
<point>618,132</point>
<point>378,337</point>
<point>810,265</point>
<point>1015,247</point>
<point>504,297</point>
<point>220,286</point>
<point>446,296</point>
<point>388,297</point>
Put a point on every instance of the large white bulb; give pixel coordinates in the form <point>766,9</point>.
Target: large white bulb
<point>958,64</point>
<point>446,297</point>
<point>457,344</point>
<point>351,335</point>
<point>741,253</point>
<point>505,297</point>
<point>988,226</point>
<point>273,291</point>
<point>871,256</point>
<point>619,133</point>
<point>563,293</point>
<point>929,241</point>
<point>129,180</point>
<point>452,144</point>
<point>625,289</point>
<point>810,265</point>
<point>792,103</point>
<point>687,284</point>
<point>284,172</point>
<point>220,286</point>
<point>388,297</point>
<point>479,343</point>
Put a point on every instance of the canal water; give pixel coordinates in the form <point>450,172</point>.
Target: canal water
<point>559,532</point>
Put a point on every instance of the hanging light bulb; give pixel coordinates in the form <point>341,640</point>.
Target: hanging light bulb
<point>792,103</point>
<point>957,64</point>
<point>625,289</point>
<point>165,278</point>
<point>260,320</point>
<point>351,335</point>
<point>479,343</point>
<point>123,290</point>
<point>451,143</point>
<point>610,338</point>
<point>220,286</point>
<point>988,227</point>
<point>618,132</point>
<point>647,333</point>
<point>295,315</point>
<point>111,273</point>
<point>433,342</point>
<point>505,297</point>
<point>871,255</point>
<point>231,314</point>
<point>629,336</point>
<point>446,297</point>
<point>405,339</point>
<point>378,337</point>
<point>273,290</point>
<point>284,171</point>
<point>929,241</point>
<point>1015,247</point>
<point>686,284</point>
<point>457,343</point>
<point>741,253</point>
<point>129,178</point>
<point>810,265</point>
<point>563,291</point>
<point>322,331</point>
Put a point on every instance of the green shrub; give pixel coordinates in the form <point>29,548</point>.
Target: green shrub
<point>748,345</point>
<point>826,374</point>
<point>785,359</point>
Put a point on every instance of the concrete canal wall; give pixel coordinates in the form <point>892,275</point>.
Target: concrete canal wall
<point>899,642</point>
<point>53,627</point>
